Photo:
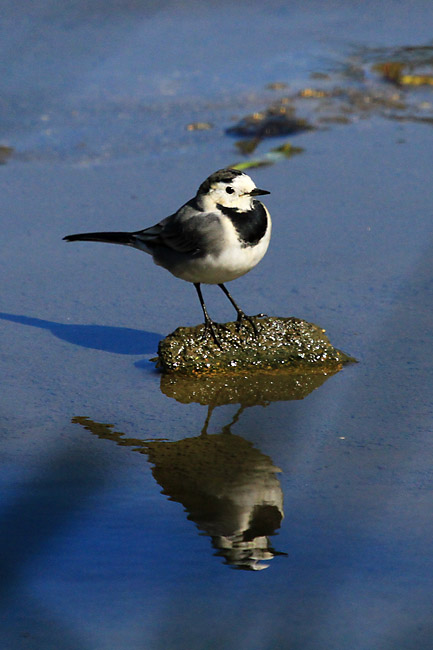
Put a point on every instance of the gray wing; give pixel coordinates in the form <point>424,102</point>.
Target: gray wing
<point>186,231</point>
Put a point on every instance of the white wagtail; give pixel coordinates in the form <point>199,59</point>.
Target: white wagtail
<point>219,235</point>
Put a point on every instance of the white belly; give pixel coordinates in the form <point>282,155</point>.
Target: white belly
<point>231,263</point>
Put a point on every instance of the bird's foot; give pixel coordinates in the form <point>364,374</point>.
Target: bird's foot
<point>242,317</point>
<point>210,328</point>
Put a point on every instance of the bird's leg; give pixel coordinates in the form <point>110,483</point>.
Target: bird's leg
<point>227,428</point>
<point>208,322</point>
<point>210,409</point>
<point>241,314</point>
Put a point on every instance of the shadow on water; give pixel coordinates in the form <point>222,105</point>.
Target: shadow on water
<point>37,516</point>
<point>120,340</point>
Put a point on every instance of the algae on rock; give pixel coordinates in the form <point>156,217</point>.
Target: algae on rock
<point>279,343</point>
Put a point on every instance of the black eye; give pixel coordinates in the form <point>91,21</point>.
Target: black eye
<point>229,190</point>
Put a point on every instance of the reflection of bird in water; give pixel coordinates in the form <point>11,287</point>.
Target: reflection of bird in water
<point>229,488</point>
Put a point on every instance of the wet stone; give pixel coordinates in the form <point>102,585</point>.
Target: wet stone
<point>279,343</point>
<point>269,124</point>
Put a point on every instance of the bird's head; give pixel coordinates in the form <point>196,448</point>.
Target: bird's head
<point>229,188</point>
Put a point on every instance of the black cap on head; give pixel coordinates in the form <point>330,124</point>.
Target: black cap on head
<point>221,176</point>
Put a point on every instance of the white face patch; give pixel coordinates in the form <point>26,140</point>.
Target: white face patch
<point>243,184</point>
<point>236,194</point>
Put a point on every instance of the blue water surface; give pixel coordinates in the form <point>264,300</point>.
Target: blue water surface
<point>119,519</point>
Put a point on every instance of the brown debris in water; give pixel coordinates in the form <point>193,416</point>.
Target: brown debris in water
<point>402,74</point>
<point>5,153</point>
<point>277,120</point>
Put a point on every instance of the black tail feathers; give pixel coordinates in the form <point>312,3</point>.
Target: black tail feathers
<point>107,237</point>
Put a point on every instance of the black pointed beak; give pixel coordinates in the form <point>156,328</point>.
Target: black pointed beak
<point>257,192</point>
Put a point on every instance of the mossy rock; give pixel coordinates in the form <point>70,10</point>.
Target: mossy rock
<point>279,343</point>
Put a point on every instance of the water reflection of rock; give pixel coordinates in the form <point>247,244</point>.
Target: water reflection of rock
<point>246,389</point>
<point>228,487</point>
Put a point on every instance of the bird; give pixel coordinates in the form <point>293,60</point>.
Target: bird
<point>214,238</point>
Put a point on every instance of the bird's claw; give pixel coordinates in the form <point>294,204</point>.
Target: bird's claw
<point>210,327</point>
<point>243,317</point>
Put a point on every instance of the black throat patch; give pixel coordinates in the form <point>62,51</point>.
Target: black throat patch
<point>250,226</point>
